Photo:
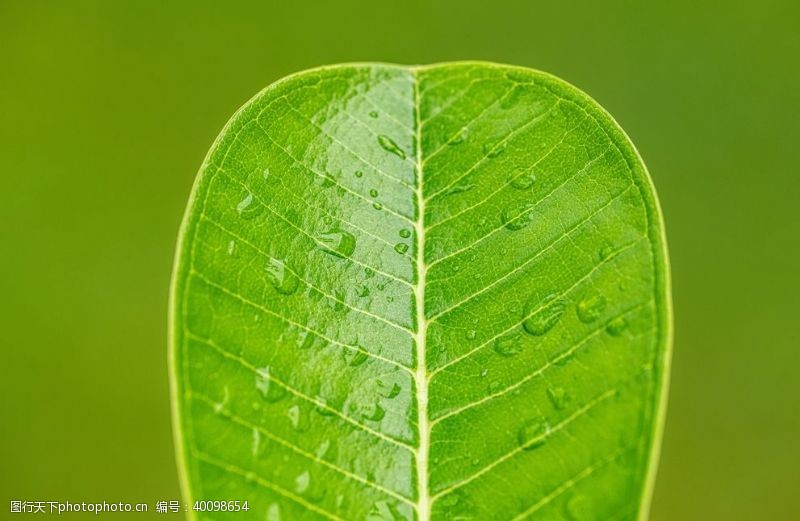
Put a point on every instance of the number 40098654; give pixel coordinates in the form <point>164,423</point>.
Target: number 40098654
<point>220,506</point>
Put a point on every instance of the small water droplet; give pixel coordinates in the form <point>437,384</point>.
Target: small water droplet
<point>517,217</point>
<point>590,309</point>
<point>533,433</point>
<point>390,146</point>
<point>294,416</point>
<point>450,500</point>
<point>471,334</point>
<point>246,209</point>
<point>458,189</point>
<point>265,173</point>
<point>558,397</point>
<point>385,511</point>
<point>377,206</point>
<point>270,390</point>
<point>373,114</point>
<point>362,291</point>
<point>354,357</point>
<point>231,247</point>
<point>388,390</point>
<point>281,278</point>
<point>373,412</point>
<point>274,512</point>
<point>359,173</point>
<point>484,372</point>
<point>373,193</point>
<point>255,448</point>
<point>405,233</point>
<point>460,137</point>
<point>495,387</point>
<point>323,449</point>
<point>543,315</point>
<point>605,252</point>
<point>493,151</point>
<point>338,243</point>
<point>322,407</point>
<point>302,482</point>
<point>523,181</point>
<point>617,326</point>
<point>508,345</point>
<point>578,508</point>
<point>401,248</point>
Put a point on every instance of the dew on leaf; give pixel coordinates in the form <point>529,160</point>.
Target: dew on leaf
<point>388,390</point>
<point>470,334</point>
<point>390,146</point>
<point>508,345</point>
<point>533,433</point>
<point>590,309</point>
<point>558,397</point>
<point>373,114</point>
<point>362,291</point>
<point>405,233</point>
<point>617,326</point>
<point>517,217</point>
<point>270,390</point>
<point>338,243</point>
<point>281,278</point>
<point>354,357</point>
<point>523,181</point>
<point>401,247</point>
<point>302,482</point>
<point>543,315</point>
<point>373,412</point>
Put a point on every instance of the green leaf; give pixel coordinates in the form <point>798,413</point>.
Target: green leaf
<point>421,293</point>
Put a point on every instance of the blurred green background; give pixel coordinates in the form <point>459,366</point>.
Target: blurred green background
<point>107,109</point>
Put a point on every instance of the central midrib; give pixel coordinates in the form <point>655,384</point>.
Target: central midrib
<point>421,376</point>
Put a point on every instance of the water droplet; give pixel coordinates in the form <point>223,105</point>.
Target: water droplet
<point>385,511</point>
<point>533,433</point>
<point>401,248</point>
<point>493,151</point>
<point>508,345</point>
<point>605,252</point>
<point>517,217</point>
<point>231,247</point>
<point>274,512</point>
<point>359,173</point>
<point>558,397</point>
<point>265,173</point>
<point>389,390</point>
<point>362,291</point>
<point>617,326</point>
<point>373,412</point>
<point>354,357</point>
<point>523,181</point>
<point>460,137</point>
<point>450,500</point>
<point>543,315</point>
<point>484,372</point>
<point>338,243</point>
<point>377,206</point>
<point>323,448</point>
<point>302,482</point>
<point>373,114</point>
<point>297,419</point>
<point>495,387</point>
<point>246,209</point>
<point>471,334</point>
<point>578,508</point>
<point>373,193</point>
<point>270,390</point>
<point>323,408</point>
<point>390,146</point>
<point>305,339</point>
<point>281,278</point>
<point>405,233</point>
<point>255,448</point>
<point>590,309</point>
<point>458,189</point>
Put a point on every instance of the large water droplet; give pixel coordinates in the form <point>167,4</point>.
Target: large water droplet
<point>270,390</point>
<point>281,278</point>
<point>302,482</point>
<point>274,512</point>
<point>517,217</point>
<point>533,433</point>
<point>390,146</point>
<point>558,397</point>
<point>543,315</point>
<point>338,243</point>
<point>401,248</point>
<point>246,207</point>
<point>323,408</point>
<point>373,412</point>
<point>508,345</point>
<point>405,233</point>
<point>354,357</point>
<point>389,390</point>
<point>296,418</point>
<point>590,309</point>
<point>523,181</point>
<point>617,326</point>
